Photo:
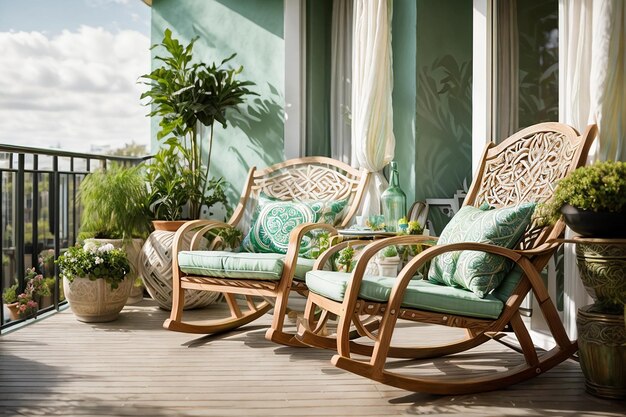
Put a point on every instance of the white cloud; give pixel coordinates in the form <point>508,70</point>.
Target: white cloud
<point>76,89</point>
<point>100,3</point>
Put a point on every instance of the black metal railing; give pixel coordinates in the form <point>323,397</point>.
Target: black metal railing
<point>40,214</point>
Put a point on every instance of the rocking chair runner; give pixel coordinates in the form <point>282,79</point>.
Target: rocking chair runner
<point>262,277</point>
<point>523,168</point>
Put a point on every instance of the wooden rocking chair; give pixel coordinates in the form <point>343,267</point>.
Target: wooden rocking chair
<point>523,168</point>
<point>264,279</point>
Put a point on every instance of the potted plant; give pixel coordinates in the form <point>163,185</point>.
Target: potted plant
<point>170,187</point>
<point>95,281</point>
<point>114,204</point>
<point>46,298</point>
<point>388,261</point>
<point>9,297</point>
<point>27,303</point>
<point>592,200</point>
<point>187,95</point>
<point>408,252</point>
<point>115,212</point>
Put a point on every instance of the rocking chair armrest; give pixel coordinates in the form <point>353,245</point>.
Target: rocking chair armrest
<point>519,257</point>
<point>542,249</point>
<point>199,228</point>
<point>354,283</point>
<point>295,239</point>
<point>328,253</point>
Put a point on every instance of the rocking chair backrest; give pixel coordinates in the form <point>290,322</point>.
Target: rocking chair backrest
<point>303,179</point>
<point>526,167</point>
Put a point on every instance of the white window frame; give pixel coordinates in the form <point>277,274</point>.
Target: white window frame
<point>484,46</point>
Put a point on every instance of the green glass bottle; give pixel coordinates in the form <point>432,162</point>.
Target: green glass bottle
<point>393,201</point>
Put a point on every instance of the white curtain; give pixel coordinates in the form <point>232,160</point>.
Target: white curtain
<point>373,142</point>
<point>340,82</point>
<point>593,90</point>
<point>507,91</point>
<point>593,39</point>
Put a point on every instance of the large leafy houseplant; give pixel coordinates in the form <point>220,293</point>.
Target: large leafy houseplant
<point>187,95</point>
<point>114,204</point>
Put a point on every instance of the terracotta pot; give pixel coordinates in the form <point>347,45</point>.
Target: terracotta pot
<point>95,301</point>
<point>13,313</point>
<point>45,301</point>
<point>168,225</point>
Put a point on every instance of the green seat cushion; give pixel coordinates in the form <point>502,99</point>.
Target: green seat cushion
<point>478,271</point>
<point>273,220</point>
<point>221,264</point>
<point>420,294</point>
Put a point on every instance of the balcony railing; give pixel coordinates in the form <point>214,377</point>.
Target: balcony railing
<point>40,213</point>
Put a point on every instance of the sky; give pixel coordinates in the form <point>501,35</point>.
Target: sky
<point>69,71</point>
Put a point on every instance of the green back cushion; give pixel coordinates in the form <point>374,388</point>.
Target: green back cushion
<point>478,271</point>
<point>274,220</point>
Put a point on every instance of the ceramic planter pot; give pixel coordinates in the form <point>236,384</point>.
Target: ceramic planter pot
<point>602,352</point>
<point>595,224</point>
<point>133,250</point>
<point>13,312</point>
<point>388,267</point>
<point>155,267</point>
<point>95,301</point>
<point>601,267</point>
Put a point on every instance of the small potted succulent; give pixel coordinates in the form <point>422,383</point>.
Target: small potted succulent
<point>376,222</point>
<point>388,261</point>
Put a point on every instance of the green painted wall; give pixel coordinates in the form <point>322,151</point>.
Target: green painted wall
<point>443,124</point>
<point>403,30</point>
<point>432,51</point>
<point>318,47</point>
<point>432,48</point>
<point>254,30</point>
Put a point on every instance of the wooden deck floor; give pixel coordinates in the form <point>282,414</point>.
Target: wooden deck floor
<point>132,367</point>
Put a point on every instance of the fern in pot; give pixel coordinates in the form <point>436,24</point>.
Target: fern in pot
<point>115,212</point>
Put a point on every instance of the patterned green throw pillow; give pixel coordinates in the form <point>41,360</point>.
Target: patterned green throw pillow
<point>274,220</point>
<point>474,270</point>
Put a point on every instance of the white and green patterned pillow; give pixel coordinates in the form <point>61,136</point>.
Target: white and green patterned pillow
<point>478,271</point>
<point>274,220</point>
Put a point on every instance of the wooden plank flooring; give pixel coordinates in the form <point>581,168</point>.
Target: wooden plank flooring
<point>132,367</point>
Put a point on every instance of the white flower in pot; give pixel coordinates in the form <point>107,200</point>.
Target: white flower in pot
<point>95,281</point>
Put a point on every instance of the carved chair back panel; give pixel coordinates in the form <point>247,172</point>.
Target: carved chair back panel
<point>526,168</point>
<point>307,179</point>
<point>306,183</point>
